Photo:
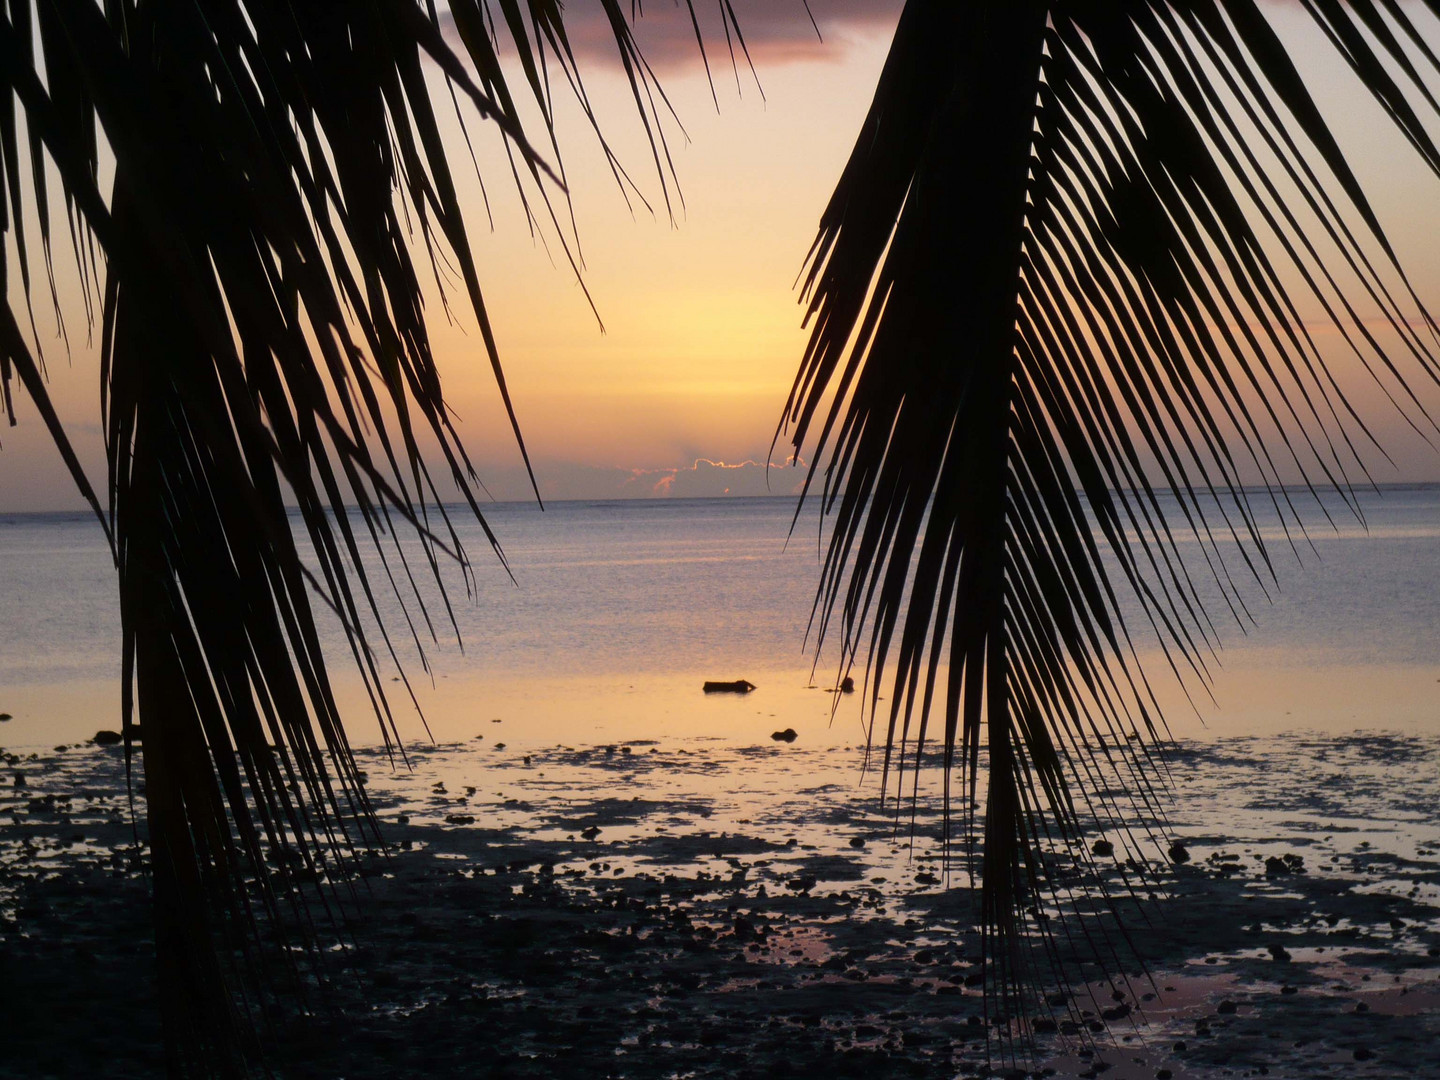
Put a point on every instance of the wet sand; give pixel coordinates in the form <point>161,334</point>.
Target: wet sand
<point>703,908</point>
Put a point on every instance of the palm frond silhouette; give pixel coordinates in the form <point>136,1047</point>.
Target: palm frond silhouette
<point>264,341</point>
<point>1059,304</point>
<point>1062,277</point>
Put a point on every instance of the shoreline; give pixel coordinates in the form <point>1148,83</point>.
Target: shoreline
<point>723,921</point>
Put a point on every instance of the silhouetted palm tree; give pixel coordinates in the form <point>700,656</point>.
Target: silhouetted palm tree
<point>263,340</point>
<point>1061,303</point>
<point>1051,266</point>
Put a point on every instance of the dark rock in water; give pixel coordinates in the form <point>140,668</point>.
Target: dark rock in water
<point>591,833</point>
<point>802,883</point>
<point>1179,854</point>
<point>20,780</point>
<point>1364,1054</point>
<point>499,746</point>
<point>1102,848</point>
<point>847,685</point>
<point>739,686</point>
<point>1279,953</point>
<point>460,819</point>
<point>108,738</point>
<point>5,716</point>
<point>1280,865</point>
<point>857,841</point>
<point>1227,1008</point>
<point>788,735</point>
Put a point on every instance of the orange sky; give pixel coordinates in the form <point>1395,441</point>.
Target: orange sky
<point>702,327</point>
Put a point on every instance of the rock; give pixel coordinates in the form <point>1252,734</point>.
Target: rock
<point>1227,1008</point>
<point>591,833</point>
<point>20,780</point>
<point>1281,865</point>
<point>107,738</point>
<point>5,716</point>
<point>739,686</point>
<point>499,746</point>
<point>802,883</point>
<point>788,735</point>
<point>1102,848</point>
<point>1178,853</point>
<point>857,841</point>
<point>1279,952</point>
<point>847,685</point>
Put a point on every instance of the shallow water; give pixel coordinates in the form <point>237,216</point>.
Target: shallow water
<point>619,610</point>
<point>762,909</point>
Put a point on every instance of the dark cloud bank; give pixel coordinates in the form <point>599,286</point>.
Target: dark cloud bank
<point>775,31</point>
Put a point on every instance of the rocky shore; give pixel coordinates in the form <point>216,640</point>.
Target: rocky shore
<point>705,909</point>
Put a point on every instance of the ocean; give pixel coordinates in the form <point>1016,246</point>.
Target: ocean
<point>619,610</point>
<point>575,777</point>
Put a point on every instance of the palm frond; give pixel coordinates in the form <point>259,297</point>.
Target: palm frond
<point>1059,359</point>
<point>264,342</point>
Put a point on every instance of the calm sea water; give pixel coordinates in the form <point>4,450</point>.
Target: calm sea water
<point>620,609</point>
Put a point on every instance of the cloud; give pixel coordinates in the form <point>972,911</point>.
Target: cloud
<point>701,478</point>
<point>775,32</point>
<point>704,478</point>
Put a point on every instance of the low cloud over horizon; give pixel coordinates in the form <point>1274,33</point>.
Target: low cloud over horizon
<point>702,478</point>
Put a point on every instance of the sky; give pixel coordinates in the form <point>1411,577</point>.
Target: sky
<point>681,391</point>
